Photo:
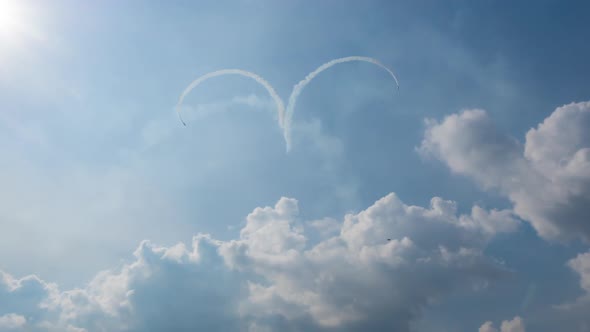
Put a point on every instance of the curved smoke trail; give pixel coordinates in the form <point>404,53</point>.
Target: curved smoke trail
<point>301,85</point>
<point>285,117</point>
<point>278,101</point>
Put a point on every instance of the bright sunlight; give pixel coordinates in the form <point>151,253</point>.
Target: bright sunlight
<point>11,16</point>
<point>16,22</point>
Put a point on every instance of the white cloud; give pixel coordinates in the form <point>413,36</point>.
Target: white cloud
<point>326,226</point>
<point>574,315</point>
<point>12,321</point>
<point>24,296</point>
<point>271,278</point>
<point>547,178</point>
<point>514,325</point>
<point>488,327</point>
<point>581,265</point>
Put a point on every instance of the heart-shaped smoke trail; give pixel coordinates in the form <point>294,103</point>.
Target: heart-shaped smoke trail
<point>278,101</point>
<point>301,85</point>
<point>285,118</point>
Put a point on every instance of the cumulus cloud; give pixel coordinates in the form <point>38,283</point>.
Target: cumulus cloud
<point>11,322</point>
<point>514,325</point>
<point>272,278</point>
<point>547,179</point>
<point>573,315</point>
<point>325,226</point>
<point>581,265</point>
<point>23,298</point>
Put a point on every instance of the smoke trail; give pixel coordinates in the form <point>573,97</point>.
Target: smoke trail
<point>278,101</point>
<point>301,85</point>
<point>529,297</point>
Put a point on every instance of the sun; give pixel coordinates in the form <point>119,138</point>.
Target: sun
<point>14,17</point>
<point>10,15</point>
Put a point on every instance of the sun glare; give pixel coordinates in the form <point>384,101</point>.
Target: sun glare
<point>10,15</point>
<point>14,21</point>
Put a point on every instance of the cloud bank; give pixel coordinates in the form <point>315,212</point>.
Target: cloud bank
<point>273,278</point>
<point>547,178</point>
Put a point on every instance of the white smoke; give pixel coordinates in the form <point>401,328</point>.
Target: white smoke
<point>285,117</point>
<point>298,88</point>
<point>278,101</point>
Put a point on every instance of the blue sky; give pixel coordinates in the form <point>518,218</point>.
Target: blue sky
<point>95,162</point>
